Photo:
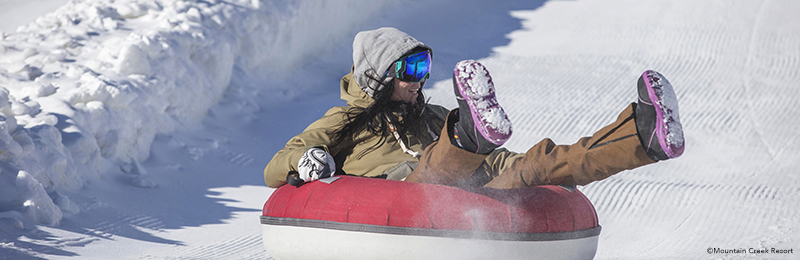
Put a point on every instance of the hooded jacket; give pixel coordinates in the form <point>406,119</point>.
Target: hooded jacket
<point>373,53</point>
<point>346,155</point>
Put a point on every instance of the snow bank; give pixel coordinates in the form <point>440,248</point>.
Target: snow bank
<point>85,89</point>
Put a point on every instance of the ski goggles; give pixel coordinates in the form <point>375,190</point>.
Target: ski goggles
<point>414,67</point>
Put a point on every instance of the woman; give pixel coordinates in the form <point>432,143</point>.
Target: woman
<point>388,130</point>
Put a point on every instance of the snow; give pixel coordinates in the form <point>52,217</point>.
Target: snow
<point>135,129</point>
<point>481,95</point>
<point>478,81</point>
<point>666,99</point>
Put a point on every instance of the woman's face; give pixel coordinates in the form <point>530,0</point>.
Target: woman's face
<point>406,91</point>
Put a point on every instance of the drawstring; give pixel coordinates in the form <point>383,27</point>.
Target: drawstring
<point>400,141</point>
<point>396,135</point>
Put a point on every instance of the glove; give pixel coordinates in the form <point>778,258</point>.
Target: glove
<point>316,164</point>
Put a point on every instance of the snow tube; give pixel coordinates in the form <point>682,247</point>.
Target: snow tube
<point>348,217</point>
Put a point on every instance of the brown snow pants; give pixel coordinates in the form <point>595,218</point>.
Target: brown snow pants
<point>610,150</point>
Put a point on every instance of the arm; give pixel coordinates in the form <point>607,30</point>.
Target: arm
<point>318,134</point>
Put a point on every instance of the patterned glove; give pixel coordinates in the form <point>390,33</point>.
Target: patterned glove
<point>316,164</point>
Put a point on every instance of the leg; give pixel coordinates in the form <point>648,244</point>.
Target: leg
<point>645,132</point>
<point>471,132</point>
<point>442,162</point>
<point>614,148</point>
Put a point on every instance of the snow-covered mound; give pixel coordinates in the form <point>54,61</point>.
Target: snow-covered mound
<point>88,87</point>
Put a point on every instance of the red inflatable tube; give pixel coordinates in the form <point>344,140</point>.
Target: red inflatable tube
<point>367,205</point>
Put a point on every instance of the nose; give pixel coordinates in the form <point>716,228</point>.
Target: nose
<point>409,85</point>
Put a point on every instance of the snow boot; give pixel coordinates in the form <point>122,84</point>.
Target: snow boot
<point>482,124</point>
<point>657,121</point>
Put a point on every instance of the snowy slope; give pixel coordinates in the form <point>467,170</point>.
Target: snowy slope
<point>15,13</point>
<point>734,66</point>
<point>138,129</point>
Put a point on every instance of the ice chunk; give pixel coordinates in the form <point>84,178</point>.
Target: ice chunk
<point>132,60</point>
<point>37,205</point>
<point>39,91</point>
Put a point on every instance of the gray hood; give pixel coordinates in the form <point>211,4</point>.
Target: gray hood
<point>374,51</point>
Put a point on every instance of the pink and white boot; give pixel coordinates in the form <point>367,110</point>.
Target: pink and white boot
<point>657,118</point>
<point>483,124</point>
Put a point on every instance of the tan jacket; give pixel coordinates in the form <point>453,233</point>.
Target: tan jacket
<point>319,134</point>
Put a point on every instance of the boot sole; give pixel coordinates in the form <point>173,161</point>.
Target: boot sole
<point>476,87</point>
<point>668,124</point>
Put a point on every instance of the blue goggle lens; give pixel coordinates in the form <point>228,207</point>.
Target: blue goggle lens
<point>414,68</point>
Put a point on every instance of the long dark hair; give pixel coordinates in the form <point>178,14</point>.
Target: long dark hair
<point>408,118</point>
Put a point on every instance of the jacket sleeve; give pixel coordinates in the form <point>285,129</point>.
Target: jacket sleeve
<point>318,134</point>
